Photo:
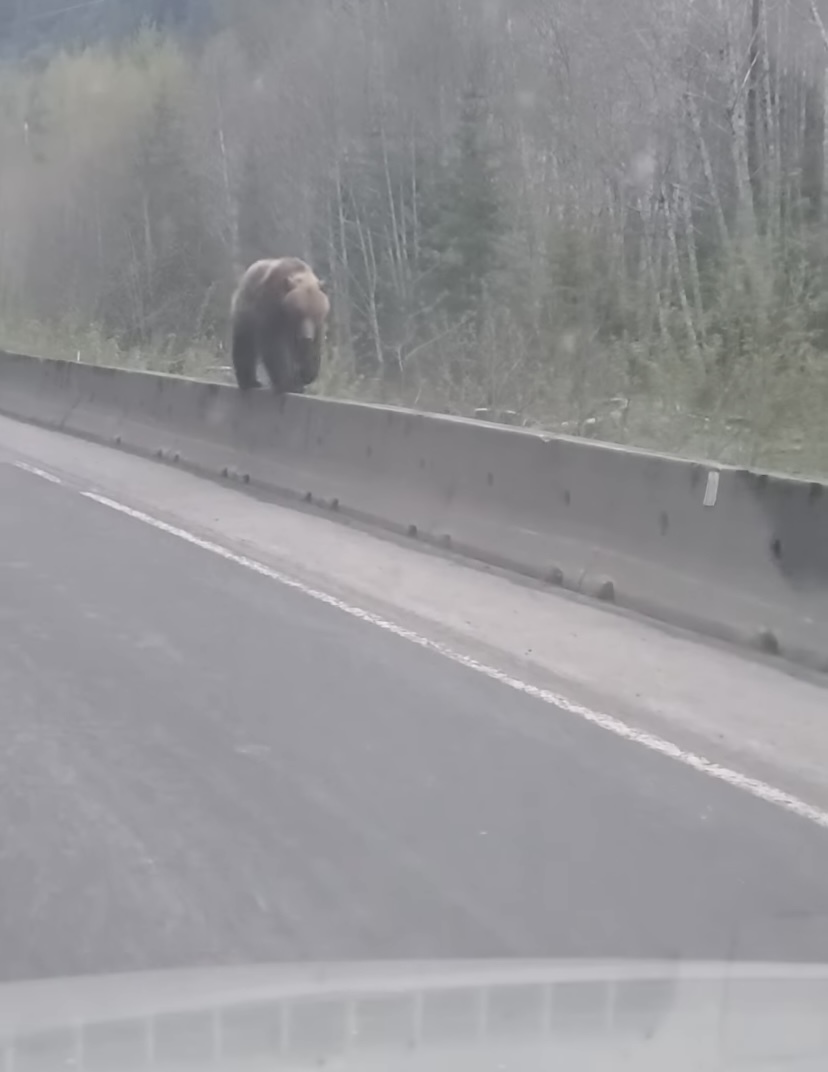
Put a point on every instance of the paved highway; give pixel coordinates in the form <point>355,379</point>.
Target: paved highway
<point>199,765</point>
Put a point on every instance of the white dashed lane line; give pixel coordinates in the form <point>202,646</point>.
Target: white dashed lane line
<point>33,469</point>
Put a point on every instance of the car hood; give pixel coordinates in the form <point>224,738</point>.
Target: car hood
<point>480,1015</point>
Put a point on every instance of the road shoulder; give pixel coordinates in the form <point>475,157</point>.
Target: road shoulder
<point>749,712</point>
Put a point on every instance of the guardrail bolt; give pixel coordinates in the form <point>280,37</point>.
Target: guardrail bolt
<point>412,532</point>
<point>603,588</point>
<point>554,576</point>
<point>767,641</point>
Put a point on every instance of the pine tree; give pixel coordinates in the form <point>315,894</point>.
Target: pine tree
<point>174,262</point>
<point>47,25</point>
<point>467,224</point>
<point>257,234</point>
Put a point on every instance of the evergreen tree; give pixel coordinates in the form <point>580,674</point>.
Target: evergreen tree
<point>27,26</point>
<point>174,264</point>
<point>466,222</point>
<point>257,233</point>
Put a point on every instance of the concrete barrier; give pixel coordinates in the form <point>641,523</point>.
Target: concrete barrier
<point>734,553</point>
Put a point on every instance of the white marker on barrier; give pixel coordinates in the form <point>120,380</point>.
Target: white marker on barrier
<point>711,492</point>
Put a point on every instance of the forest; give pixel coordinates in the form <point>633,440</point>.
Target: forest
<point>607,219</point>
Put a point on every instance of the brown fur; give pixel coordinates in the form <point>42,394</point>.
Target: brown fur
<point>279,314</point>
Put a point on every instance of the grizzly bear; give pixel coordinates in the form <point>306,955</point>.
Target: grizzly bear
<point>278,316</point>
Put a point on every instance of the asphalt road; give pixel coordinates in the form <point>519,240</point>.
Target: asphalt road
<point>200,766</point>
